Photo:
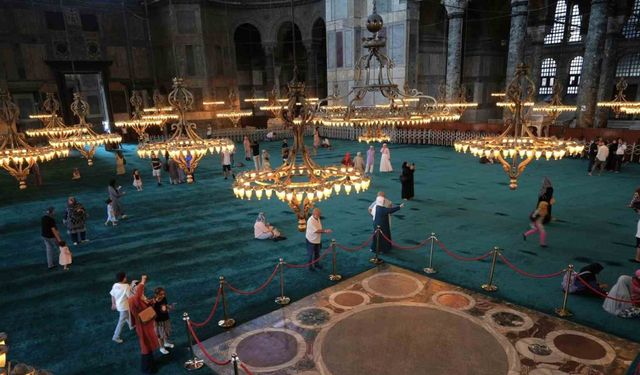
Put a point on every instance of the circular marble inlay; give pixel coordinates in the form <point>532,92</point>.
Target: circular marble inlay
<point>581,347</point>
<point>408,338</point>
<point>269,349</point>
<point>392,285</point>
<point>311,317</point>
<point>537,350</point>
<point>348,299</point>
<point>508,320</point>
<point>454,299</point>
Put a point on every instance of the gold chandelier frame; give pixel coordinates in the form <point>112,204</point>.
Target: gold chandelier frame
<point>138,123</point>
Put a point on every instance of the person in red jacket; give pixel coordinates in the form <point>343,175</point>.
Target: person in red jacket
<point>146,331</point>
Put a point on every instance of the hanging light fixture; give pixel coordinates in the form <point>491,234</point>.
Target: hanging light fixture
<point>137,122</point>
<point>185,147</point>
<point>619,104</point>
<point>17,156</point>
<point>233,112</point>
<point>85,140</point>
<point>299,181</point>
<point>553,110</point>
<point>54,127</point>
<point>516,147</point>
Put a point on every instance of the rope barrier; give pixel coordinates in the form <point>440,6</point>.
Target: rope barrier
<point>603,295</point>
<point>204,351</point>
<point>359,247</point>
<point>397,246</point>
<point>460,257</point>
<point>211,314</point>
<point>255,291</point>
<point>527,274</point>
<point>245,369</point>
<point>324,254</point>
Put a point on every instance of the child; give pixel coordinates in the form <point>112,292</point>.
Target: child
<point>111,214</point>
<point>137,181</point>
<point>65,255</point>
<point>76,174</point>
<point>163,324</point>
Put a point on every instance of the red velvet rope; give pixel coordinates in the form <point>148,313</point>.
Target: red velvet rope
<point>397,246</point>
<point>460,257</point>
<point>204,351</point>
<point>264,285</point>
<point>527,274</point>
<point>357,248</point>
<point>245,369</point>
<point>213,311</point>
<point>324,254</point>
<point>599,293</point>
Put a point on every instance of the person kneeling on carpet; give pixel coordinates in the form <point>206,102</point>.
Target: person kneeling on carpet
<point>588,274</point>
<point>262,230</point>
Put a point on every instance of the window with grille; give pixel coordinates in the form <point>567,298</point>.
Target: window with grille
<point>574,75</point>
<point>557,31</point>
<point>547,76</point>
<point>574,27</point>
<point>629,66</point>
<point>631,28</point>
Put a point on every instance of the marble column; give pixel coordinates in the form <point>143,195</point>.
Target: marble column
<point>593,46</point>
<point>269,61</point>
<point>311,77</point>
<point>517,34</point>
<point>455,13</point>
<point>608,70</point>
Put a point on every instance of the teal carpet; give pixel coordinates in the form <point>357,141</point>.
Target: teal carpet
<point>185,236</point>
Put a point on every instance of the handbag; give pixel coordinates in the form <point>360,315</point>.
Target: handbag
<point>147,314</point>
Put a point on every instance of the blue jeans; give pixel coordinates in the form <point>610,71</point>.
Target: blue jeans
<point>51,245</point>
<point>313,252</point>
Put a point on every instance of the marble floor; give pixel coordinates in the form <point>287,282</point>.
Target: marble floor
<point>392,321</point>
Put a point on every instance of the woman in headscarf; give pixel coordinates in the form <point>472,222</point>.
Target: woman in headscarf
<point>120,170</point>
<point>380,215</point>
<point>316,140</point>
<point>385,159</point>
<point>546,194</point>
<point>358,163</point>
<point>145,330</point>
<point>75,217</point>
<point>346,161</point>
<point>633,311</point>
<point>115,194</point>
<point>371,159</point>
<point>406,179</point>
<point>589,275</point>
<point>262,230</point>
<point>247,148</point>
<point>620,291</point>
<point>266,163</point>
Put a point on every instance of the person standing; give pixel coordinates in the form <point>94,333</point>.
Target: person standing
<point>371,160</point>
<point>209,132</point>
<point>593,151</point>
<point>316,140</point>
<point>163,323</point>
<point>601,158</point>
<point>247,148</point>
<point>156,168</point>
<point>174,175</point>
<point>537,223</point>
<point>381,219</point>
<point>226,164</point>
<point>358,163</point>
<point>120,162</point>
<point>620,151</point>
<point>120,292</point>
<point>546,194</point>
<point>255,151</point>
<point>346,160</point>
<point>637,258</point>
<point>65,258</point>
<point>75,218</point>
<point>50,235</point>
<point>137,180</point>
<point>115,193</point>
<point>284,152</point>
<point>406,179</point>
<point>385,159</point>
<point>611,159</point>
<point>313,237</point>
<point>146,330</point>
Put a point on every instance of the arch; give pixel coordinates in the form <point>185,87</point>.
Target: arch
<point>575,70</point>
<point>250,59</point>
<point>556,34</point>
<point>318,80</point>
<point>284,52</point>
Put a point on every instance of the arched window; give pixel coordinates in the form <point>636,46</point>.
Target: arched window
<point>574,27</point>
<point>629,66</point>
<point>547,76</point>
<point>575,68</point>
<point>557,31</point>
<point>631,28</point>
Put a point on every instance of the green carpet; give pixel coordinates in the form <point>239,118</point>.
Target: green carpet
<point>185,236</point>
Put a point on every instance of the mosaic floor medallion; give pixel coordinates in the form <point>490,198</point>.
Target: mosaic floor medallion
<point>453,299</point>
<point>392,285</point>
<point>269,349</point>
<point>508,320</point>
<point>537,349</point>
<point>311,317</point>
<point>348,299</point>
<point>581,347</point>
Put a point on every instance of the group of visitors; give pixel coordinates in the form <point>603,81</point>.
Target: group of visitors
<point>75,217</point>
<point>606,155</point>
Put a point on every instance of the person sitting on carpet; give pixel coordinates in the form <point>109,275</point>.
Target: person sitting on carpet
<point>262,230</point>
<point>619,293</point>
<point>325,143</point>
<point>589,274</point>
<point>346,161</point>
<point>633,311</point>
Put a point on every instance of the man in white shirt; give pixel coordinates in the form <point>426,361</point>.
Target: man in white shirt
<point>226,164</point>
<point>601,158</point>
<point>120,292</point>
<point>314,238</point>
<point>622,148</point>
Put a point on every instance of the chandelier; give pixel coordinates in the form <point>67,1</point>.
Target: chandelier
<point>516,147</point>
<point>185,147</point>
<point>17,156</point>
<point>85,140</point>
<point>54,127</point>
<point>551,111</point>
<point>233,113</point>
<point>160,110</point>
<point>137,122</point>
<point>374,134</point>
<point>619,104</point>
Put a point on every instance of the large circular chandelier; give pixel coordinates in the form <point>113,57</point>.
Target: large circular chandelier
<point>516,147</point>
<point>17,156</point>
<point>184,146</point>
<point>620,105</point>
<point>85,140</point>
<point>138,123</point>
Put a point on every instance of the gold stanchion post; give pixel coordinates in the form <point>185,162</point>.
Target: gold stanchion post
<point>376,259</point>
<point>429,269</point>
<point>234,361</point>
<point>334,274</point>
<point>563,311</point>
<point>489,287</point>
<point>282,299</point>
<point>194,363</point>
<point>225,322</point>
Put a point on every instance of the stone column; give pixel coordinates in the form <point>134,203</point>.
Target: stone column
<point>269,61</point>
<point>310,79</point>
<point>608,70</point>
<point>517,33</point>
<point>536,35</point>
<point>455,12</point>
<point>593,46</point>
